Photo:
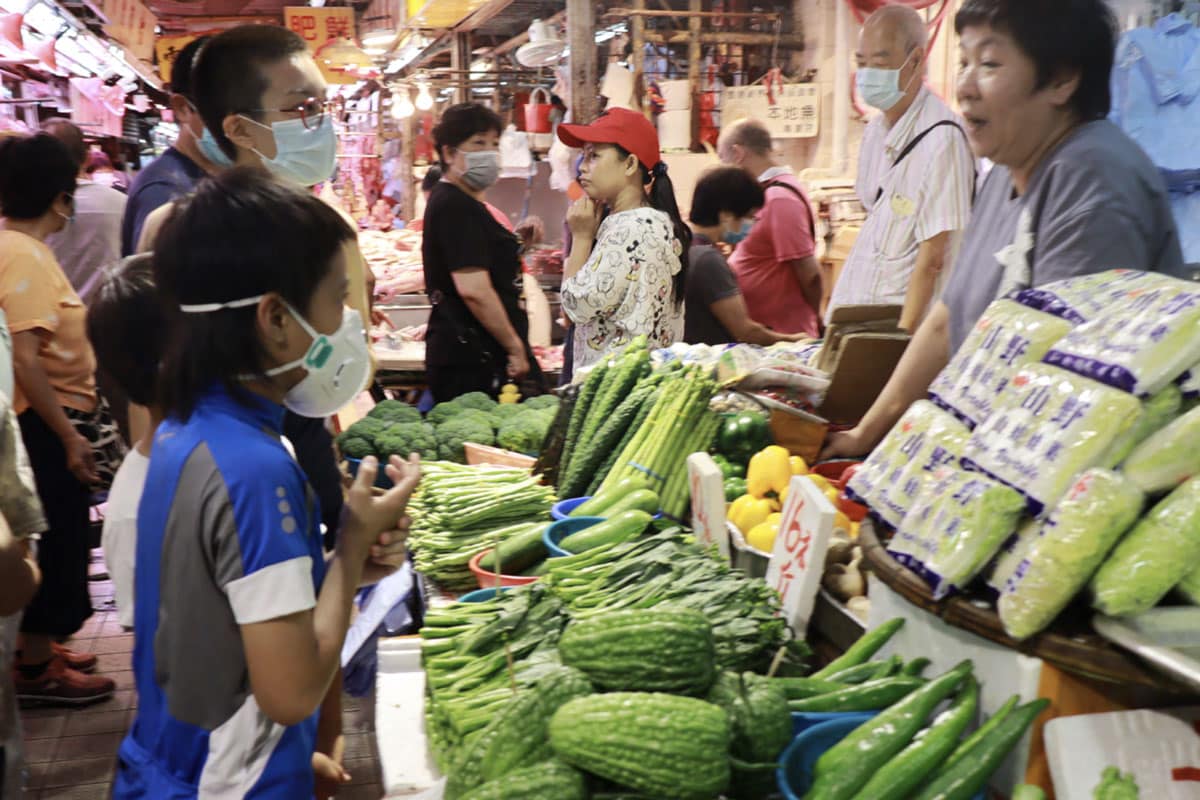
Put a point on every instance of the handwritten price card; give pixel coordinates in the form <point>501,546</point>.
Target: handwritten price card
<point>798,560</point>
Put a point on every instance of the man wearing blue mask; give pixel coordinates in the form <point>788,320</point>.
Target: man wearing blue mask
<point>916,174</point>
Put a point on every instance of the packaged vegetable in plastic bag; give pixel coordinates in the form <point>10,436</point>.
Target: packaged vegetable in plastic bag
<point>957,525</point>
<point>1152,558</point>
<point>1067,549</point>
<point>925,438</point>
<point>1141,342</point>
<point>1049,426</point>
<point>1007,337</point>
<point>1157,412</point>
<point>1011,554</point>
<point>1167,458</point>
<point>1085,297</point>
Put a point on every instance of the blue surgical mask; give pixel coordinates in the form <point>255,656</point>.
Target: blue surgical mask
<point>306,156</point>
<point>212,151</point>
<point>733,237</point>
<point>880,88</point>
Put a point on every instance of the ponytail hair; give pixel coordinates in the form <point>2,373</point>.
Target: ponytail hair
<point>662,197</point>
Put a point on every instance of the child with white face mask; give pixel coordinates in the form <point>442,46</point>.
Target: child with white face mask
<point>228,531</point>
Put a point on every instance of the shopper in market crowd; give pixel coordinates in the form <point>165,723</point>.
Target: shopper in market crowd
<point>724,203</point>
<point>478,337</point>
<point>628,267</point>
<point>1070,193</point>
<point>177,171</point>
<point>228,538</point>
<point>916,175</point>
<point>53,365</point>
<point>21,520</point>
<point>93,239</point>
<point>776,264</point>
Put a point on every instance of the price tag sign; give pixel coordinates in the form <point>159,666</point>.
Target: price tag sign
<point>798,559</point>
<point>708,502</point>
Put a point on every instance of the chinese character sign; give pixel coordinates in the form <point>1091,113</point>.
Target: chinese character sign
<point>708,502</point>
<point>131,24</point>
<point>795,114</point>
<point>798,560</point>
<point>318,26</point>
<point>167,49</point>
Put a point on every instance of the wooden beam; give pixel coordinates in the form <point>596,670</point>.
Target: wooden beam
<point>483,15</point>
<point>460,65</point>
<point>695,54</point>
<point>521,38</point>
<point>637,44</point>
<point>786,41</point>
<point>581,26</point>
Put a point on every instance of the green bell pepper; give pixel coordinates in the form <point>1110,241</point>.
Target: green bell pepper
<point>744,435</point>
<point>728,468</point>
<point>734,488</point>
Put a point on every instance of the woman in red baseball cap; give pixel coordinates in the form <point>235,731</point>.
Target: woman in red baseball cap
<point>628,264</point>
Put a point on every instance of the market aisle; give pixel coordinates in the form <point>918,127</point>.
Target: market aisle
<point>71,753</point>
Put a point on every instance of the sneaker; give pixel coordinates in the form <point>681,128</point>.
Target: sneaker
<point>80,662</point>
<point>61,685</point>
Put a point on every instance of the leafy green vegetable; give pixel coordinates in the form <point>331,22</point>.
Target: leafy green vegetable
<point>1154,557</point>
<point>504,411</point>
<point>525,432</point>
<point>368,427</point>
<point>1116,786</point>
<point>442,412</point>
<point>394,411</point>
<point>356,446</point>
<point>1066,549</point>
<point>457,431</point>
<point>405,438</point>
<point>1167,458</point>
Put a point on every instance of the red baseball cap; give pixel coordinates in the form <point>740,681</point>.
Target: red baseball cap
<point>618,126</point>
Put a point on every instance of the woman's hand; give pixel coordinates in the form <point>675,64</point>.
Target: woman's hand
<point>518,364</point>
<point>80,459</point>
<point>583,218</point>
<point>365,517</point>
<point>847,444</point>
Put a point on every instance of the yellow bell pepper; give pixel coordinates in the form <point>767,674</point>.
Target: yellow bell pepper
<point>819,480</point>
<point>775,518</point>
<point>748,511</point>
<point>762,536</point>
<point>769,471</point>
<point>798,466</point>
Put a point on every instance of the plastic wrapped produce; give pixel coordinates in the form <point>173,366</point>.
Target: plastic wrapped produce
<point>1155,556</point>
<point>1157,412</point>
<point>1085,297</point>
<point>1168,457</point>
<point>925,438</point>
<point>1011,554</point>
<point>957,525</point>
<point>1142,341</point>
<point>1066,550</point>
<point>1007,337</point>
<point>1048,427</point>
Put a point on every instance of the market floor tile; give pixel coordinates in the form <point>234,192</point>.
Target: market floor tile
<point>71,753</point>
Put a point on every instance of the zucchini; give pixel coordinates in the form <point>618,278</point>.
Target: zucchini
<point>597,505</point>
<point>552,780</point>
<point>518,553</point>
<point>870,696</point>
<point>649,650</point>
<point>624,527</point>
<point>971,773</point>
<point>661,745</point>
<point>862,650</point>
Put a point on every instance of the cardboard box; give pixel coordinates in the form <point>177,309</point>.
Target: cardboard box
<point>863,345</point>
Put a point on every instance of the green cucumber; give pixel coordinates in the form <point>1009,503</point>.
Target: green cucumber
<point>859,673</point>
<point>846,767</point>
<point>870,696</point>
<point>538,570</point>
<point>903,774</point>
<point>800,688</point>
<point>984,730</point>
<point>863,649</point>
<point>641,500</point>
<point>517,553</point>
<point>916,668</point>
<point>624,527</point>
<point>601,502</point>
<point>970,774</point>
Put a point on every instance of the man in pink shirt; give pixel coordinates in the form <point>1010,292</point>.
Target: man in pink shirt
<point>776,264</point>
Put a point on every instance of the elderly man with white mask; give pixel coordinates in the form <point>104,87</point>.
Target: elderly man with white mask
<point>916,174</point>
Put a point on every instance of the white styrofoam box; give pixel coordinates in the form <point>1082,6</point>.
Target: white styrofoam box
<point>407,764</point>
<point>675,130</point>
<point>1001,672</point>
<point>1149,744</point>
<point>677,95</point>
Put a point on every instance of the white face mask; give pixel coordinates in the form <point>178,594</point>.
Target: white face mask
<point>880,88</point>
<point>338,365</point>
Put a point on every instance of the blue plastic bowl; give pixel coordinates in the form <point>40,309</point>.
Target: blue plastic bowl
<point>795,772</point>
<point>564,528</point>
<point>563,508</point>
<point>803,720</point>
<point>382,481</point>
<point>480,595</point>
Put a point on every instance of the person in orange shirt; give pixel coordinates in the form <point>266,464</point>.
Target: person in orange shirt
<point>54,369</point>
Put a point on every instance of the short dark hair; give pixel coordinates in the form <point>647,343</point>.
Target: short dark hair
<point>1063,35</point>
<point>227,77</point>
<point>432,176</point>
<point>181,69</point>
<point>243,233</point>
<point>461,122</point>
<point>729,189</point>
<point>34,171</point>
<point>71,135</point>
<point>127,325</point>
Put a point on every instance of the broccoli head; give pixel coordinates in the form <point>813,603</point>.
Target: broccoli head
<point>457,431</point>
<point>355,446</point>
<point>480,417</point>
<point>549,401</point>
<point>525,433</point>
<point>366,428</point>
<point>442,412</point>
<point>479,400</point>
<point>391,411</point>
<point>407,437</point>
<point>505,411</point>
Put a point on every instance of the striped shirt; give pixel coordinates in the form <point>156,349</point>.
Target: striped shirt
<point>927,193</point>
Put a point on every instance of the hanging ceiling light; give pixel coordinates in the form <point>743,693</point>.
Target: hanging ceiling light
<point>543,49</point>
<point>343,55</point>
<point>402,104</point>
<point>424,98</point>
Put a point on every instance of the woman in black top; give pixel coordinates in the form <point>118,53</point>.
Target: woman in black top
<point>478,331</point>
